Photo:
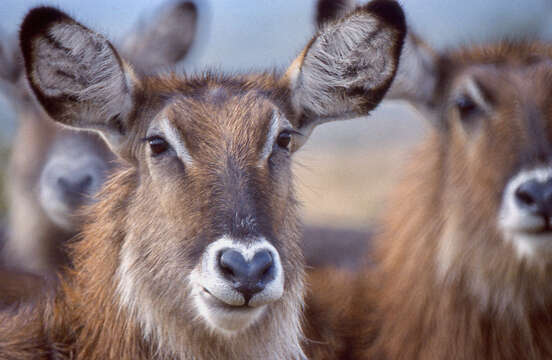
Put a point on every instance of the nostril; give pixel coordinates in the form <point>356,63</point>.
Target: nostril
<point>530,195</point>
<point>247,276</point>
<point>232,264</point>
<point>524,197</point>
<point>76,186</point>
<point>86,183</point>
<point>261,264</point>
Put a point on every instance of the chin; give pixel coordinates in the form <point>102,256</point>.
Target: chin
<point>62,217</point>
<point>532,245</point>
<point>223,318</point>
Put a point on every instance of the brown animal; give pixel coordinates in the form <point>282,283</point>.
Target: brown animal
<point>54,171</point>
<point>463,266</point>
<point>192,251</point>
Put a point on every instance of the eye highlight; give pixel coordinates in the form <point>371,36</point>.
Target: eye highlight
<point>284,139</point>
<point>158,145</point>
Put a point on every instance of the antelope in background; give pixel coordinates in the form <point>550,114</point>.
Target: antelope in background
<point>53,170</point>
<point>462,268</point>
<point>192,250</point>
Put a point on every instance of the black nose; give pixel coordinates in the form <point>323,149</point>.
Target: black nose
<point>535,197</point>
<point>75,187</point>
<point>247,277</point>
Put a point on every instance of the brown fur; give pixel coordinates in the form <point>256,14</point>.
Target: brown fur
<point>34,242</point>
<point>487,303</point>
<point>446,283</point>
<point>130,295</point>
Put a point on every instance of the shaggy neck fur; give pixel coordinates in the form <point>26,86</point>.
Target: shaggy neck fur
<point>87,319</point>
<point>439,293</point>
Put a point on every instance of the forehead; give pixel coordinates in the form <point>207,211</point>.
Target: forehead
<point>500,60</point>
<point>213,117</point>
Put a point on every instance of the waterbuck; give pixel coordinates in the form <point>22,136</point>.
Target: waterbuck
<point>464,265</point>
<point>54,171</point>
<point>192,250</point>
<point>462,268</point>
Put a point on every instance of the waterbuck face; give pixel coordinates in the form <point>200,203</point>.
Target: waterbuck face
<point>500,140</point>
<point>493,118</point>
<point>77,164</point>
<point>219,189</point>
<point>211,225</point>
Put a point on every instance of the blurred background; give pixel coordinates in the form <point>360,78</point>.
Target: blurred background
<point>347,168</point>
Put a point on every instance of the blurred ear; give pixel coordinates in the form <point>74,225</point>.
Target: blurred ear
<point>348,66</point>
<point>11,64</point>
<point>164,39</point>
<point>76,75</point>
<point>331,10</point>
<point>417,76</point>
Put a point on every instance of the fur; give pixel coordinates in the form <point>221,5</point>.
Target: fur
<point>449,283</point>
<point>130,295</point>
<point>34,241</point>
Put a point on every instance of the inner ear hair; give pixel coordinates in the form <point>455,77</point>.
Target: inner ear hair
<point>348,67</point>
<point>75,73</point>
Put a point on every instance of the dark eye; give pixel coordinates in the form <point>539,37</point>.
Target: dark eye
<point>466,106</point>
<point>284,139</point>
<point>157,145</point>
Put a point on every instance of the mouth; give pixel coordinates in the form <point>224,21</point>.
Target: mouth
<point>216,303</point>
<point>227,318</point>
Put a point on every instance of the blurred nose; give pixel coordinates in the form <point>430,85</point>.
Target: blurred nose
<point>248,277</point>
<point>535,197</point>
<point>76,187</point>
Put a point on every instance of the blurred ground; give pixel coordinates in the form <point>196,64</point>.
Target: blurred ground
<point>346,169</point>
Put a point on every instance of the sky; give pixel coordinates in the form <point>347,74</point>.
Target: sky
<point>240,35</point>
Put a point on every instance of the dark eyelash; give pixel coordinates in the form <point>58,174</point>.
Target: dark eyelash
<point>293,132</point>
<point>151,137</point>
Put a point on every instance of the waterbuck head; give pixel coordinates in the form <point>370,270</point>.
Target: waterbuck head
<point>54,171</point>
<point>491,138</point>
<point>208,231</point>
<point>492,119</point>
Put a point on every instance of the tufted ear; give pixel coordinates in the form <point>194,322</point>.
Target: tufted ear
<point>164,38</point>
<point>76,74</point>
<point>347,67</point>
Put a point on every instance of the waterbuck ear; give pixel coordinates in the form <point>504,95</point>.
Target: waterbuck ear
<point>417,76</point>
<point>163,39</point>
<point>348,66</point>
<point>11,64</point>
<point>76,74</point>
<point>331,10</point>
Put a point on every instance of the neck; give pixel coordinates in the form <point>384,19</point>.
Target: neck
<point>445,296</point>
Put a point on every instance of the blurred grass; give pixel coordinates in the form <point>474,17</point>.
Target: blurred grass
<point>347,189</point>
<point>347,169</point>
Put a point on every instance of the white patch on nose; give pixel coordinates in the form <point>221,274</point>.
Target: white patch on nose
<point>518,225</point>
<point>173,137</point>
<point>215,297</point>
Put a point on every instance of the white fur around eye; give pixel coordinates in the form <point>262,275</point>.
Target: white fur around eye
<point>173,137</point>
